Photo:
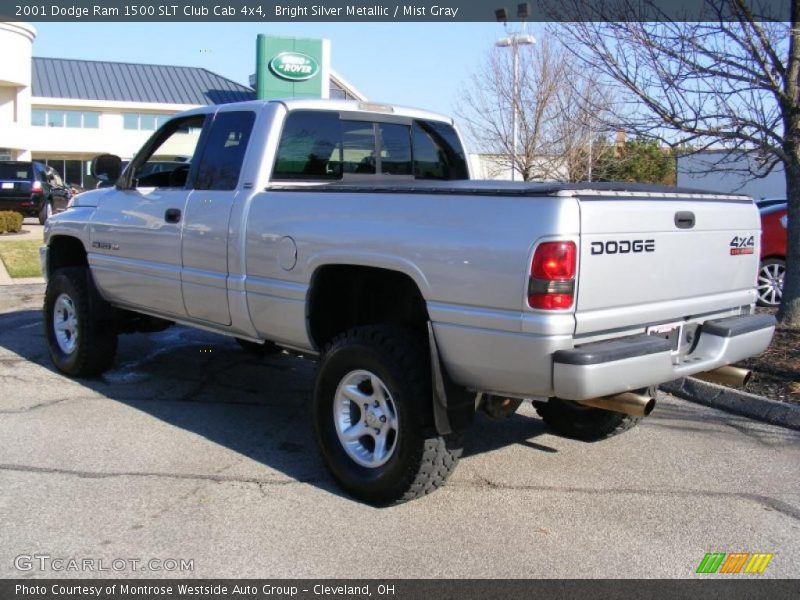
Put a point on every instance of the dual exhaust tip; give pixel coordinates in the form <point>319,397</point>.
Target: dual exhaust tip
<point>730,376</point>
<point>630,403</point>
<point>641,405</point>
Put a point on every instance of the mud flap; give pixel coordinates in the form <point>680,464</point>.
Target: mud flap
<point>453,406</point>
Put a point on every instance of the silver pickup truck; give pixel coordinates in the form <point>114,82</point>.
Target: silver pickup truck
<point>352,233</point>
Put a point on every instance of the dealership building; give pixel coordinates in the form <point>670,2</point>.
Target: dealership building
<point>65,112</point>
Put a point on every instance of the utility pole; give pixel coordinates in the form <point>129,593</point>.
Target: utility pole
<point>514,40</point>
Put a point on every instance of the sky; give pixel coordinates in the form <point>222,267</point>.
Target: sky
<point>415,64</point>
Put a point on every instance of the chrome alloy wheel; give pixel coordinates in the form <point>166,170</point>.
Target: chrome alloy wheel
<point>65,324</point>
<point>770,283</point>
<point>365,417</point>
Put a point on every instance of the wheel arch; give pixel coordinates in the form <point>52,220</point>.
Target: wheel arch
<point>343,295</point>
<point>65,251</point>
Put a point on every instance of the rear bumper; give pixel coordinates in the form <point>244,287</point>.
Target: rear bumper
<point>624,364</point>
<point>27,205</point>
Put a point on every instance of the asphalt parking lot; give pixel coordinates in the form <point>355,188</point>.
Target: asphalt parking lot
<point>191,449</point>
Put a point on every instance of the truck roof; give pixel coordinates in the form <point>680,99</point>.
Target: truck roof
<point>350,106</point>
<point>359,106</point>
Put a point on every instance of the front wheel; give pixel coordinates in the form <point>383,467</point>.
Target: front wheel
<point>81,336</point>
<point>373,417</point>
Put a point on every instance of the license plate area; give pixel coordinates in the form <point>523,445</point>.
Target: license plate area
<point>8,185</point>
<point>672,332</point>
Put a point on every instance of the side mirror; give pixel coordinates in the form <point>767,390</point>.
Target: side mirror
<point>107,168</point>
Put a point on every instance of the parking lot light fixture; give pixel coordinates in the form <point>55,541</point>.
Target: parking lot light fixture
<point>513,40</point>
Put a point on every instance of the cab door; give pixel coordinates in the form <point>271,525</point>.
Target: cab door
<point>135,232</point>
<point>204,276</point>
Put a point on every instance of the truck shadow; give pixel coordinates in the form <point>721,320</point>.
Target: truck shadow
<point>258,407</point>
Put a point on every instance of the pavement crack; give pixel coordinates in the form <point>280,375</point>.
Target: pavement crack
<point>780,506</point>
<point>181,476</point>
<point>33,407</point>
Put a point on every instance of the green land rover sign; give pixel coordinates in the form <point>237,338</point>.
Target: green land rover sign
<point>294,66</point>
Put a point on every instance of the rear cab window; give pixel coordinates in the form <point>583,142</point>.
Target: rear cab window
<point>323,146</point>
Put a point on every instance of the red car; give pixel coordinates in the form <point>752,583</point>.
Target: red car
<point>773,254</point>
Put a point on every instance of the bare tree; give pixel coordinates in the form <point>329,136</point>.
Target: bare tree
<point>554,127</point>
<point>730,81</point>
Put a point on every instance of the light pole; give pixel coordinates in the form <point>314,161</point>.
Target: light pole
<point>514,40</point>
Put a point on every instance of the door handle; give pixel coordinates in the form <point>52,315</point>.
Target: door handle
<point>172,215</point>
<point>684,219</point>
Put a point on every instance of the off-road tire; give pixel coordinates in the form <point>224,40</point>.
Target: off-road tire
<point>584,423</point>
<point>257,349</point>
<point>422,459</point>
<point>97,337</point>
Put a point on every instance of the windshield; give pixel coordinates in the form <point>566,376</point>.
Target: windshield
<point>15,171</point>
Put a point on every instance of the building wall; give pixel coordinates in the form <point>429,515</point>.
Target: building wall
<point>713,171</point>
<point>491,166</point>
<point>110,136</point>
<point>16,40</point>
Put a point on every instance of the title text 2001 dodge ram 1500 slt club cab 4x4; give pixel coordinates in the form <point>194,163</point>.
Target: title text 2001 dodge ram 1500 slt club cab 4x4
<point>352,233</point>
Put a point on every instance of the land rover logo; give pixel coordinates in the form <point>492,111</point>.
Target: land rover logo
<point>294,66</point>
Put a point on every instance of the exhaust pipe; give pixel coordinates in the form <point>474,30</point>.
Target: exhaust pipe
<point>630,403</point>
<point>730,376</point>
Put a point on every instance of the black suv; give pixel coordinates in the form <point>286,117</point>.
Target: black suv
<point>32,188</point>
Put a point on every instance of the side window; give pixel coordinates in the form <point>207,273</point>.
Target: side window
<point>437,152</point>
<point>224,151</point>
<point>310,147</point>
<point>395,149</point>
<point>167,162</point>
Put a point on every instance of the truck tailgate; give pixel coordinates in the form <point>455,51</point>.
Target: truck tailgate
<point>647,261</point>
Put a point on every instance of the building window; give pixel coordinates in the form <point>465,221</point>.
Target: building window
<point>38,117</point>
<point>55,118</point>
<point>143,121</point>
<point>91,120</point>
<point>65,118</point>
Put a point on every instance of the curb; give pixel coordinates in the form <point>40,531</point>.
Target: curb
<point>6,279</point>
<point>755,407</point>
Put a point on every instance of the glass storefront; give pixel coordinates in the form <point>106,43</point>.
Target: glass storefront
<point>74,171</point>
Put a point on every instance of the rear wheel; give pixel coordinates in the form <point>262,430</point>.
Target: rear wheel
<point>81,335</point>
<point>585,423</point>
<point>46,212</point>
<point>373,417</point>
<point>770,281</point>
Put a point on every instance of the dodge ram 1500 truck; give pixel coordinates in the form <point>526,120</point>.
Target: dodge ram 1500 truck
<point>351,233</point>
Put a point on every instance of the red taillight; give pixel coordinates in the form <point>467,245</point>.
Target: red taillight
<point>37,186</point>
<point>554,261</point>
<point>552,282</point>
